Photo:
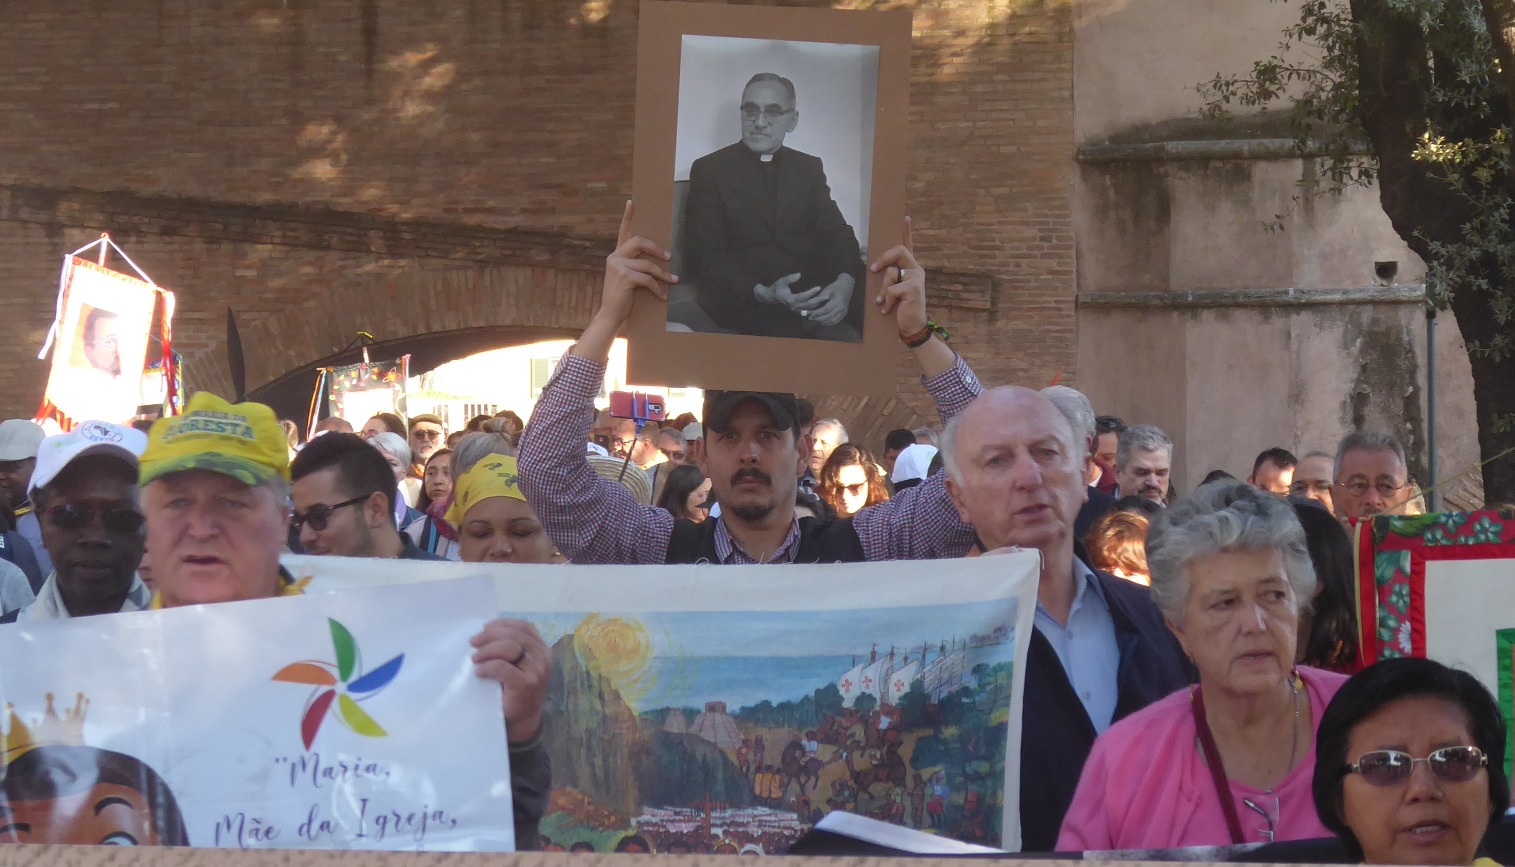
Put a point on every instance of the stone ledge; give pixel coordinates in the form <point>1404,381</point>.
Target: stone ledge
<point>1218,149</point>
<point>301,226</point>
<point>1405,293</point>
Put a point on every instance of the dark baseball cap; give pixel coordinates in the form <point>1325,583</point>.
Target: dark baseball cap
<point>720,404</point>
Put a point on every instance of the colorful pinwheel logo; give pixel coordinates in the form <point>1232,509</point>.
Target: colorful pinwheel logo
<point>343,684</point>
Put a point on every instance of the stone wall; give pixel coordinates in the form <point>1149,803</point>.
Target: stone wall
<point>409,168</point>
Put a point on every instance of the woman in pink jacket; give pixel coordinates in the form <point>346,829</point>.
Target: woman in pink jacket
<point>1228,761</point>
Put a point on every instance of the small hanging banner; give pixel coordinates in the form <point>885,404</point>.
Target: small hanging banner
<point>361,391</point>
<point>108,357</point>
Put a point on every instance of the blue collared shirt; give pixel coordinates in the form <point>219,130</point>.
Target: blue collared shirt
<point>1086,646</point>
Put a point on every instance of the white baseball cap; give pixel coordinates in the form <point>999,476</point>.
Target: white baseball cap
<point>913,462</point>
<point>89,438</point>
<point>693,431</point>
<point>19,439</point>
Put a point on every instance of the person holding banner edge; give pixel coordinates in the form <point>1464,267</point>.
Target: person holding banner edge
<point>215,491</point>
<point>754,449</point>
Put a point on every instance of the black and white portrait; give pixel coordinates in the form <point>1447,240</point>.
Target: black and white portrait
<point>772,173</point>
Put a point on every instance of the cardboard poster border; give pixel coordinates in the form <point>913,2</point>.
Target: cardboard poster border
<point>735,361</point>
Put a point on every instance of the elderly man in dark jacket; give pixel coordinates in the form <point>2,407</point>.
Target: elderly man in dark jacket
<point>1100,651</point>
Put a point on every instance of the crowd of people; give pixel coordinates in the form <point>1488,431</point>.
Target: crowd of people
<point>1192,678</point>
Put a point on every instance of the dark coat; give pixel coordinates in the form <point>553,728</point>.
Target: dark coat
<point>1056,732</point>
<point>742,229</point>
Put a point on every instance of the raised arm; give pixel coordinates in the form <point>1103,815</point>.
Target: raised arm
<point>589,518</point>
<point>920,523</point>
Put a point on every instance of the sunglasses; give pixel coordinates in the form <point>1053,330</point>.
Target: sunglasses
<point>856,489</point>
<point>1393,767</point>
<point>321,513</point>
<point>118,520</point>
<point>673,454</point>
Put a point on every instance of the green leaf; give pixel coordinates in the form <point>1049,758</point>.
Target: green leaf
<point>358,719</point>
<point>346,648</point>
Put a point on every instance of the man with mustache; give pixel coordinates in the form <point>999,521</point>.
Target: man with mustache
<point>754,451</point>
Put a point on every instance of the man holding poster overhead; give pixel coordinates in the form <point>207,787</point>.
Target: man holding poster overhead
<point>755,451</point>
<point>769,251</point>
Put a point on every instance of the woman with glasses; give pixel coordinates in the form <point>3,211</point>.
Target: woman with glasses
<point>851,480</point>
<point>1409,767</point>
<point>1229,760</point>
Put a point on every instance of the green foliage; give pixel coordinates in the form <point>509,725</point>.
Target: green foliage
<point>1314,75</point>
<point>913,705</point>
<point>1452,103</point>
<point>865,703</point>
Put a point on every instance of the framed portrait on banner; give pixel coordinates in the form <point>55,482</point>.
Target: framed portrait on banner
<point>103,334</point>
<point>770,161</point>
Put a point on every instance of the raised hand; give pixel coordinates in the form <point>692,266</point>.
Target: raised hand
<point>904,293</point>
<point>636,262</point>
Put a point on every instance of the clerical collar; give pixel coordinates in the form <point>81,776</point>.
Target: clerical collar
<point>767,158</point>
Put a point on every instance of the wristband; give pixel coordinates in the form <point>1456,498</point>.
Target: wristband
<point>919,338</point>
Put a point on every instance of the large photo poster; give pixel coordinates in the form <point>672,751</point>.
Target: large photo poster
<point>100,345</point>
<point>770,160</point>
<point>325,721</point>
<point>709,709</point>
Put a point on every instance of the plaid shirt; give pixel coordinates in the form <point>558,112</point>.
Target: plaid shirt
<point>595,520</point>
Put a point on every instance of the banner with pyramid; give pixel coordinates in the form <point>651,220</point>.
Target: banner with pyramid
<point>324,721</point>
<point>727,709</point>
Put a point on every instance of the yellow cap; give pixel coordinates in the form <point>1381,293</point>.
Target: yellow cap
<point>242,440</point>
<point>494,476</point>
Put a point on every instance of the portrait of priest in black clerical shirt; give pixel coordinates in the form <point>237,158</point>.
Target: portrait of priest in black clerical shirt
<point>767,249</point>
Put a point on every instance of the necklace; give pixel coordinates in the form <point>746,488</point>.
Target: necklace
<point>1293,735</point>
<point>1217,769</point>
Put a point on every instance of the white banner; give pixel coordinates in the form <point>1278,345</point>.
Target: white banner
<point>719,708</point>
<point>324,721</point>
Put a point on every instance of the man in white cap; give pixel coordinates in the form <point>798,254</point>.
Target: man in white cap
<point>84,489</point>
<point>19,440</point>
<point>912,466</point>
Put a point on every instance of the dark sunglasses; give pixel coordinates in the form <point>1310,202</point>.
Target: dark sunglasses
<point>118,520</point>
<point>1393,767</point>
<point>321,513</point>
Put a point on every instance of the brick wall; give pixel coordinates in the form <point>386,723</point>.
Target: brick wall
<point>411,167</point>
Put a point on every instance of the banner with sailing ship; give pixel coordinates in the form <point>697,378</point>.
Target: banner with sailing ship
<point>727,709</point>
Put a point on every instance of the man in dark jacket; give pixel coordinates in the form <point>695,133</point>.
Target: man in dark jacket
<point>1100,651</point>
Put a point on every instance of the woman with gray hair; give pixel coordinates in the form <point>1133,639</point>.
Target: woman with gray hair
<point>1230,760</point>
<point>396,451</point>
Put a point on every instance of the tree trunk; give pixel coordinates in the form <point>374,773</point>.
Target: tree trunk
<point>1394,82</point>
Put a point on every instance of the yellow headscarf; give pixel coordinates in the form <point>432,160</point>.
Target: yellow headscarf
<point>494,476</point>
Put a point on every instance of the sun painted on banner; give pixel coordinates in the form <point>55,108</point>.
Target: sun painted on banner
<point>342,685</point>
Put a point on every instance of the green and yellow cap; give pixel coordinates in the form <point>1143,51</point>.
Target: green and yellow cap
<point>243,441</point>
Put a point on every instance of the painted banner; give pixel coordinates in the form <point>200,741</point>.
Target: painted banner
<point>1396,558</point>
<point>726,709</point>
<point>361,391</point>
<point>325,721</point>
<point>1443,586</point>
<point>100,346</point>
